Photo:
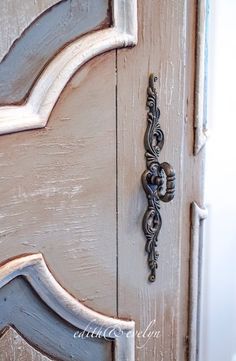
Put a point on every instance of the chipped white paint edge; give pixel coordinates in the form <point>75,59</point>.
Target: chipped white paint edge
<point>197,216</point>
<point>44,95</point>
<point>33,268</point>
<point>200,86</point>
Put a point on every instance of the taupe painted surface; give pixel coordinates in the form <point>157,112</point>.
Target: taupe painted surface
<point>14,348</point>
<point>62,23</point>
<point>44,209</point>
<point>166,47</point>
<point>58,188</point>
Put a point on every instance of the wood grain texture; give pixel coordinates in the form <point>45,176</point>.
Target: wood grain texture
<point>166,47</point>
<point>61,24</point>
<point>14,348</point>
<point>58,188</point>
<point>16,16</point>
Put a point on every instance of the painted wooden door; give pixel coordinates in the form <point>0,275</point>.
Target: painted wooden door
<point>74,277</point>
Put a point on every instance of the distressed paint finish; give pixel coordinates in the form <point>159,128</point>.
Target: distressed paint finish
<point>166,47</point>
<point>16,16</point>
<point>70,229</point>
<point>43,210</point>
<point>45,314</point>
<point>21,307</point>
<point>58,188</point>
<point>62,23</point>
<point>201,76</point>
<point>53,79</point>
<point>14,348</point>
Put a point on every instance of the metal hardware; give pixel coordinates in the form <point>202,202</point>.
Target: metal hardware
<point>157,177</point>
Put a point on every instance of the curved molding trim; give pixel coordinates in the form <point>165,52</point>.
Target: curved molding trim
<point>197,216</point>
<point>34,269</point>
<point>44,95</point>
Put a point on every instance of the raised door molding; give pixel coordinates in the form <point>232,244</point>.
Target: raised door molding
<point>200,114</point>
<point>197,216</point>
<point>53,321</point>
<point>35,112</point>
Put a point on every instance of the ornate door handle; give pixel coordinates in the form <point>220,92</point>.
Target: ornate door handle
<point>170,182</point>
<point>157,177</point>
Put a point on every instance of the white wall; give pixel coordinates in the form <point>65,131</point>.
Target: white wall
<point>218,326</point>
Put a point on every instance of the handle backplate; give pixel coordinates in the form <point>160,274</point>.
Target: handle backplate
<point>156,177</point>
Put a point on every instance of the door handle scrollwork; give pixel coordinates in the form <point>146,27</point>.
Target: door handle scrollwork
<point>158,180</point>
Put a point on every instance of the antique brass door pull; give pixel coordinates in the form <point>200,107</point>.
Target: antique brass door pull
<point>157,177</point>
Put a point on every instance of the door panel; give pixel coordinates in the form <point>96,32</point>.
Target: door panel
<point>59,183</point>
<point>59,188</point>
<point>166,45</point>
<point>71,191</point>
